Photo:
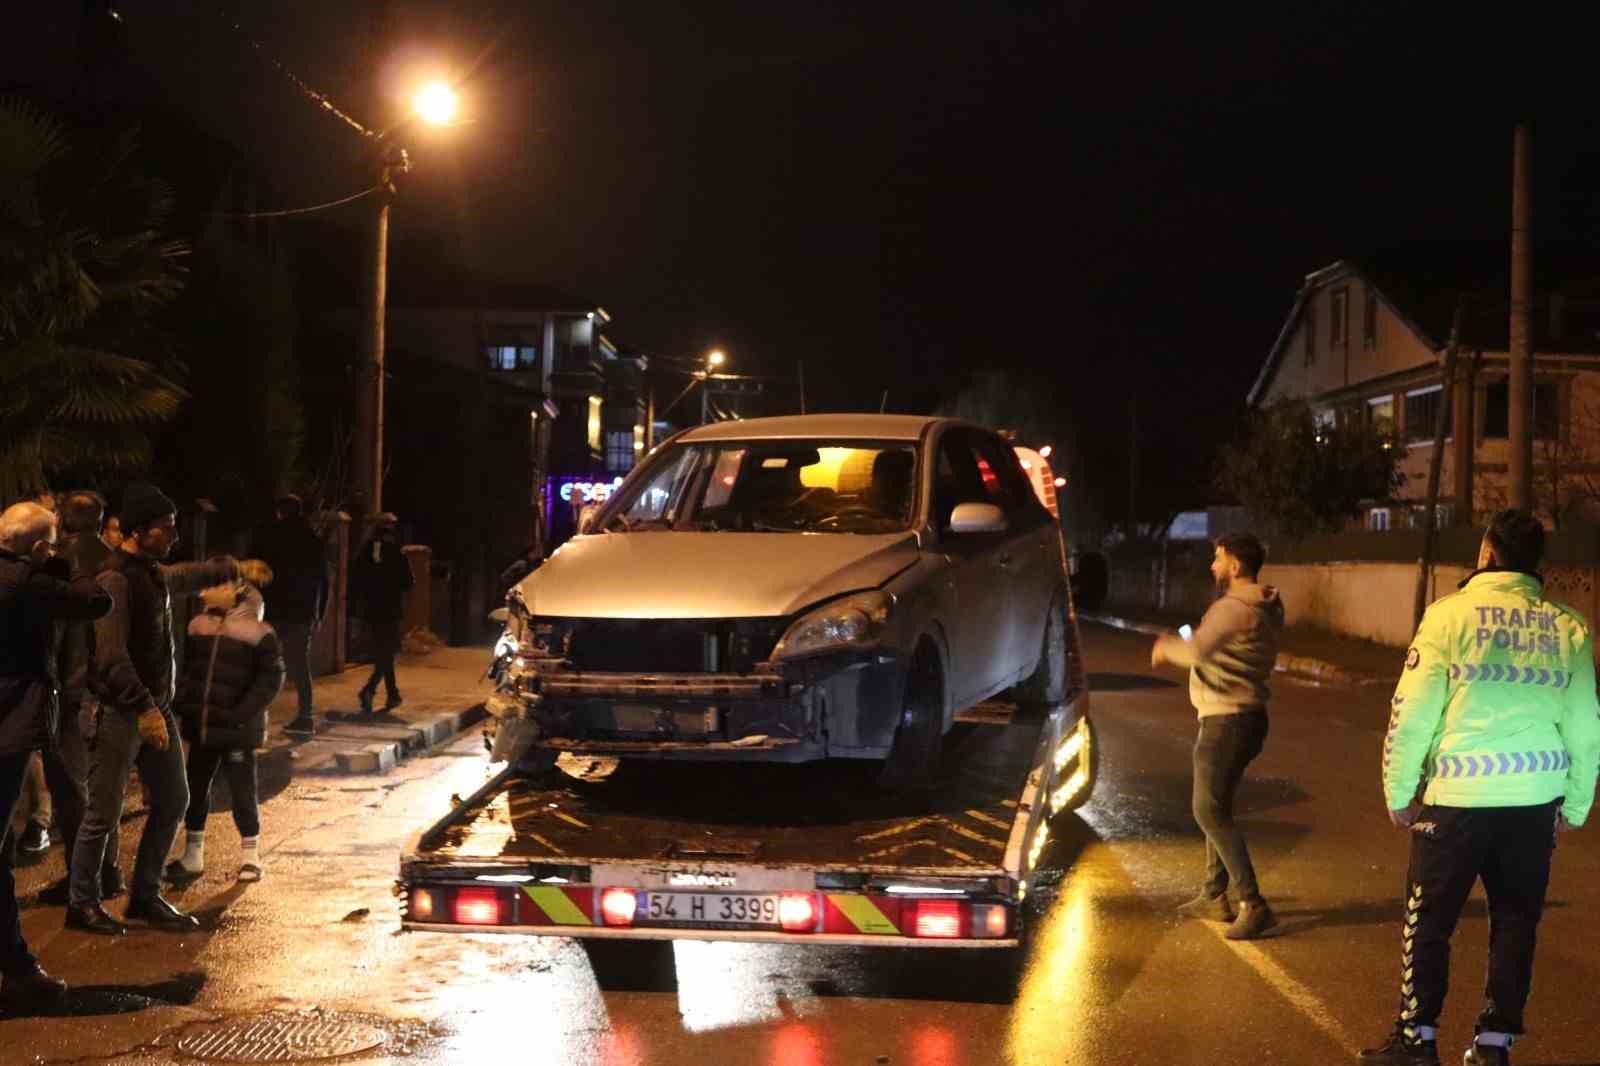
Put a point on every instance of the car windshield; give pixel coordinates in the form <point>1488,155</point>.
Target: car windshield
<point>773,486</point>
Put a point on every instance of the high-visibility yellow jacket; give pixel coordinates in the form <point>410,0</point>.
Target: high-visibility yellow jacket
<point>1496,706</point>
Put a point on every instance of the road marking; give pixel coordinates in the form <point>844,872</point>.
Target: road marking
<point>1289,987</point>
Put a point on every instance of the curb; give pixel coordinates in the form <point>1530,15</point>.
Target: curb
<point>382,756</point>
<point>1301,665</point>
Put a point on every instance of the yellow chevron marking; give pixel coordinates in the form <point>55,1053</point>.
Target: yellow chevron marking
<point>570,820</point>
<point>989,820</point>
<point>903,827</point>
<point>557,905</point>
<point>865,915</point>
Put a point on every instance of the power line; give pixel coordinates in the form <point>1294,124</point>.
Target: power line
<point>300,210</point>
<point>321,99</point>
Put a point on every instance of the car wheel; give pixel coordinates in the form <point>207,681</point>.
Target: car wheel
<point>919,736</point>
<point>1047,685</point>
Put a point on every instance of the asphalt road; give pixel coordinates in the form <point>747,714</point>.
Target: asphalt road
<point>1111,976</point>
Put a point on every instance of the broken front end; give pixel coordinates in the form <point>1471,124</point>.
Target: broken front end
<point>761,689</point>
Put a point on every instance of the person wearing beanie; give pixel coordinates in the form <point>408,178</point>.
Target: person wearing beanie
<point>232,671</point>
<point>131,676</point>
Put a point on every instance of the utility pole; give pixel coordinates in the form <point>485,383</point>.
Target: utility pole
<point>367,445</point>
<point>1521,384</point>
<point>1441,424</point>
<point>367,497</point>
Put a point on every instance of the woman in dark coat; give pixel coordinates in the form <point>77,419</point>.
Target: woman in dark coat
<point>382,577</point>
<point>232,671</point>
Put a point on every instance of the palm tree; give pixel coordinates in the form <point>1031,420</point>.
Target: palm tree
<point>85,373</point>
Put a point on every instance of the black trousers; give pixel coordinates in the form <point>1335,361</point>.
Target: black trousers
<point>385,646</point>
<point>1225,745</point>
<point>66,772</point>
<point>239,766</point>
<point>15,958</point>
<point>295,640</point>
<point>1451,848</point>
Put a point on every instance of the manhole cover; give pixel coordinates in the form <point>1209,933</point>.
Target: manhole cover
<point>281,1038</point>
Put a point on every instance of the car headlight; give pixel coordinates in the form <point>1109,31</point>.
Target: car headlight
<point>847,623</point>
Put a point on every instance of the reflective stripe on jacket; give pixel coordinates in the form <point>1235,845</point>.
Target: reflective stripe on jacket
<point>1496,706</point>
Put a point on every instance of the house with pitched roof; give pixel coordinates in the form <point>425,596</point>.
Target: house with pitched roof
<point>1365,340</point>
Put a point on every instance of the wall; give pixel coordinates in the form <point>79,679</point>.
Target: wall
<point>1368,600</point>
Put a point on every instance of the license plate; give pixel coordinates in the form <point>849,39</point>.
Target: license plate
<point>715,909</point>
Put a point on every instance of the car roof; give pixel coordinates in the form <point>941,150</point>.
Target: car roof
<point>836,426</point>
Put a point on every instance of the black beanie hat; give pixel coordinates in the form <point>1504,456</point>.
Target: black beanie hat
<point>143,503</point>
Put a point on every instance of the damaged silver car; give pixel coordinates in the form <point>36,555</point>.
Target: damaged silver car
<point>787,589</point>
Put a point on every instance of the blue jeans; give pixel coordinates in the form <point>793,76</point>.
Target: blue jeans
<point>116,750</point>
<point>15,958</point>
<point>1225,746</point>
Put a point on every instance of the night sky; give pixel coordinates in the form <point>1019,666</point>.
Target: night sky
<point>1113,199</point>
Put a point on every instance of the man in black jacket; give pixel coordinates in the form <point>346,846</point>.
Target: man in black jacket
<point>381,577</point>
<point>132,678</point>
<point>67,769</point>
<point>36,592</point>
<point>297,597</point>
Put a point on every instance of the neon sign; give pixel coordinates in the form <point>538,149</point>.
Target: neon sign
<point>588,491</point>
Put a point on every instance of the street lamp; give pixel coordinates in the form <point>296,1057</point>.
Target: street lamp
<point>714,359</point>
<point>434,104</point>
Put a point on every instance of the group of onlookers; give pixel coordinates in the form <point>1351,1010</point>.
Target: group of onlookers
<point>90,690</point>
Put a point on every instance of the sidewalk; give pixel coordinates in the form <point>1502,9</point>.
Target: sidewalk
<point>443,689</point>
<point>1307,650</point>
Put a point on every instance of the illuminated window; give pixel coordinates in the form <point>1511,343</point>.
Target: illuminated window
<point>1378,519</point>
<point>512,356</point>
<point>1380,415</point>
<point>619,451</point>
<point>594,423</point>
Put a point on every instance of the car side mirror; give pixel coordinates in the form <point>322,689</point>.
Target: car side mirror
<point>978,518</point>
<point>586,516</point>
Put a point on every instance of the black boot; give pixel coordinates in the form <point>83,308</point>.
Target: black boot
<point>1402,1050</point>
<point>32,985</point>
<point>92,918</point>
<point>162,915</point>
<point>365,696</point>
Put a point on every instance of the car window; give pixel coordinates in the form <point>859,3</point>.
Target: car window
<point>654,502</point>
<point>786,485</point>
<point>1003,480</point>
<point>957,478</point>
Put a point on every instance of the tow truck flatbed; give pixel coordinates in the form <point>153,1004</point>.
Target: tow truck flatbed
<point>771,851</point>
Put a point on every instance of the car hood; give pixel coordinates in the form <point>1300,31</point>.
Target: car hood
<point>710,575</point>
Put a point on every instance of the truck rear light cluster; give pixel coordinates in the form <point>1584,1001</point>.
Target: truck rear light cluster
<point>617,906</point>
<point>936,918</point>
<point>797,912</point>
<point>477,906</point>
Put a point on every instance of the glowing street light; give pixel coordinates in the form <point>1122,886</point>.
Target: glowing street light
<point>716,358</point>
<point>435,103</point>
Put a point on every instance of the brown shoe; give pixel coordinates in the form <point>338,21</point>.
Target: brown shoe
<point>1208,908</point>
<point>1254,920</point>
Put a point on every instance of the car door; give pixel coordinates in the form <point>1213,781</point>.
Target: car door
<point>1029,557</point>
<point>976,623</point>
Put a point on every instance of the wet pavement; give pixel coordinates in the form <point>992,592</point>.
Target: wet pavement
<point>314,954</point>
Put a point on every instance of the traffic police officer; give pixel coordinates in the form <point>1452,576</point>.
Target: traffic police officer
<point>1495,721</point>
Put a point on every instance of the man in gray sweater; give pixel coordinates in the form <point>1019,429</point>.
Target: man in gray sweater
<point>1230,657</point>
